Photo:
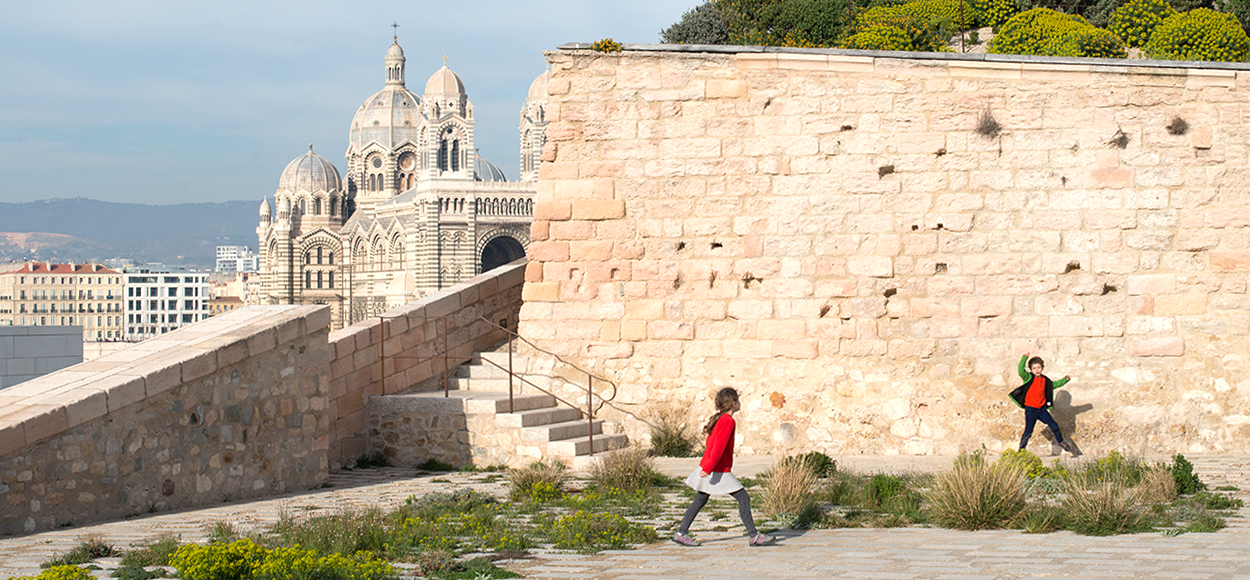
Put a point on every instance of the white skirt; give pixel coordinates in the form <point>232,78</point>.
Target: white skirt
<point>716,483</point>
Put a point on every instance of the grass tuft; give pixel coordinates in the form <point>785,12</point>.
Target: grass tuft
<point>976,495</point>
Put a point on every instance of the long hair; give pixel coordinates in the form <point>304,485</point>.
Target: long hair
<point>725,399</point>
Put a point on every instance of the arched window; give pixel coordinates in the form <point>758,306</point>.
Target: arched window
<point>331,276</point>
<point>442,155</point>
<point>319,279</point>
<point>307,257</point>
<point>318,254</point>
<point>331,258</point>
<point>332,205</point>
<point>317,206</point>
<point>307,279</point>
<point>455,155</point>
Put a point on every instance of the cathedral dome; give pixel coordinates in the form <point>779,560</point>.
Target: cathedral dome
<point>538,88</point>
<point>395,51</point>
<point>310,172</point>
<point>484,170</point>
<point>265,211</point>
<point>444,82</point>
<point>392,115</point>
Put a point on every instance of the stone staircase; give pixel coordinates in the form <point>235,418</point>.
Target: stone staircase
<point>537,427</point>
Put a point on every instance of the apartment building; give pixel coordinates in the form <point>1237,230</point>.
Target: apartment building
<point>237,259</point>
<point>46,294</point>
<point>161,299</point>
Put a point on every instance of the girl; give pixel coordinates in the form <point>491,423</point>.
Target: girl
<point>713,476</point>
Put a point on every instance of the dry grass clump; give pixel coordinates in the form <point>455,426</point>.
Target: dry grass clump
<point>1102,507</point>
<point>627,469</point>
<point>671,434</point>
<point>976,495</point>
<point>1157,484</point>
<point>788,490</point>
<point>540,481</point>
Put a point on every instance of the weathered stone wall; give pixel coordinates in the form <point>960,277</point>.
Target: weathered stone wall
<point>27,352</point>
<point>233,407</point>
<point>402,351</point>
<point>851,243</point>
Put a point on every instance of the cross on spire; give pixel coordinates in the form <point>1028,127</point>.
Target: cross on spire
<point>444,61</point>
<point>395,29</point>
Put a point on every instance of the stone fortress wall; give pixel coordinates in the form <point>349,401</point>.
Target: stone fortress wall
<point>230,408</point>
<point>259,401</point>
<point>864,244</point>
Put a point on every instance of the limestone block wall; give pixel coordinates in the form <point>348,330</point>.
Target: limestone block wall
<point>27,352</point>
<point>402,350</point>
<point>865,244</point>
<point>230,408</point>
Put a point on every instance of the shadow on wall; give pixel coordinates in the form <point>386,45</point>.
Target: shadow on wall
<point>1065,414</point>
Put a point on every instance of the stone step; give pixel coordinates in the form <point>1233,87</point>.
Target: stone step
<point>493,402</point>
<point>581,445</point>
<point>537,417</point>
<point>560,431</point>
<point>500,384</point>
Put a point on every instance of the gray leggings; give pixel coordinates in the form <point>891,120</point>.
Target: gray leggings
<point>700,500</point>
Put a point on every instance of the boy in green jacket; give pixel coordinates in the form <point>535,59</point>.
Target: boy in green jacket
<point>1036,396</point>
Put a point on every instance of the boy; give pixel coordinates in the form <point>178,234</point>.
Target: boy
<point>1036,395</point>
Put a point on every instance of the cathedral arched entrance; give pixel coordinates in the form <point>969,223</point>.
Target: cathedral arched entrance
<point>500,251</point>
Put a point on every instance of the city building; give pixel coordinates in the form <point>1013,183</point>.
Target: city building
<point>161,299</point>
<point>45,294</point>
<point>419,209</point>
<point>218,306</point>
<point>236,259</point>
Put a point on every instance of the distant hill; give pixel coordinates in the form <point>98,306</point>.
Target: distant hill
<point>79,229</point>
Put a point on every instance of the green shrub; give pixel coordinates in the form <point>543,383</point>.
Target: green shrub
<point>1088,42</point>
<point>920,35</point>
<point>1099,12</point>
<point>702,24</point>
<point>881,489</point>
<point>86,551</point>
<point>1136,20</point>
<point>810,23</point>
<point>976,495</point>
<point>538,482</point>
<point>155,553</point>
<point>820,464</point>
<point>1031,465</point>
<point>1187,481</point>
<point>1200,35</point>
<point>606,45</point>
<point>59,572</point>
<point>879,38</point>
<point>994,13</point>
<point>432,464</point>
<point>589,532</point>
<point>1114,467</point>
<point>234,561</point>
<point>626,469</point>
<point>1042,31</point>
<point>1042,518</point>
<point>345,532</point>
<point>296,563</point>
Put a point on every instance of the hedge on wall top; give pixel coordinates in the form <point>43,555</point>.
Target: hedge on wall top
<point>1043,31</point>
<point>879,38</point>
<point>1200,34</point>
<point>1137,19</point>
<point>922,36</point>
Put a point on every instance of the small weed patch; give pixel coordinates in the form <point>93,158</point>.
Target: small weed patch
<point>86,551</point>
<point>626,469</point>
<point>540,481</point>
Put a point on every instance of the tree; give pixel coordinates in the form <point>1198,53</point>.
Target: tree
<point>704,24</point>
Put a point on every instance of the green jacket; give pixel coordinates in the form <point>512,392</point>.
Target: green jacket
<point>1017,395</point>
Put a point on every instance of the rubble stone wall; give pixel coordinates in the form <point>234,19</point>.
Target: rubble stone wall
<point>865,245</point>
<point>230,408</point>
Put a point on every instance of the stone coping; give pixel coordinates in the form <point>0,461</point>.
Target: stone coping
<point>51,404</point>
<point>1097,64</point>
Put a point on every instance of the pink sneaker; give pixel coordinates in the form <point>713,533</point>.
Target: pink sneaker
<point>761,540</point>
<point>686,540</point>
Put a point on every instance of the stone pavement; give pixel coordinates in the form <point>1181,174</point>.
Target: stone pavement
<point>903,553</point>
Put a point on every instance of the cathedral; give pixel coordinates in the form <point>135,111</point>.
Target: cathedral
<point>419,209</point>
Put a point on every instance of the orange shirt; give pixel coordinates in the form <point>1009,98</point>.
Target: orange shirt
<point>1035,397</point>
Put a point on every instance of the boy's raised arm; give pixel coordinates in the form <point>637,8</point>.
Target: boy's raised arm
<point>1024,369</point>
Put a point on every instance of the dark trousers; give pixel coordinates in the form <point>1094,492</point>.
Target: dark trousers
<point>1031,417</point>
<point>700,500</point>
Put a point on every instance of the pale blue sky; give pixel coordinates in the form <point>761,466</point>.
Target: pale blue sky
<point>174,102</point>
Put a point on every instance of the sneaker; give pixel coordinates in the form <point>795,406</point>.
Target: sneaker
<point>686,540</point>
<point>761,540</point>
<point>1066,447</point>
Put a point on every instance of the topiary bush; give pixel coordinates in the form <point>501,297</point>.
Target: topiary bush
<point>1200,34</point>
<point>880,37</point>
<point>1136,20</point>
<point>1042,31</point>
<point>994,12</point>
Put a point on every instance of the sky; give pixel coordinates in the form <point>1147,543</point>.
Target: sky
<point>164,102</point>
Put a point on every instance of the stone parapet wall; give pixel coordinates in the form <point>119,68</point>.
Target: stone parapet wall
<point>226,409</point>
<point>402,350</point>
<point>27,352</point>
<point>864,245</point>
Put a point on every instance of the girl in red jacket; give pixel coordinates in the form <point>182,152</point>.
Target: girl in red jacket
<point>713,476</point>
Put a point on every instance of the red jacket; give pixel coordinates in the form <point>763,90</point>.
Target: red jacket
<point>719,455</point>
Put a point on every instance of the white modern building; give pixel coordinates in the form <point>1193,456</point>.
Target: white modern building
<point>160,299</point>
<point>237,259</point>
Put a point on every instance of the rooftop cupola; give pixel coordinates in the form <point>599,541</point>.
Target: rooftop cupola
<point>395,64</point>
